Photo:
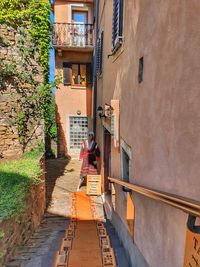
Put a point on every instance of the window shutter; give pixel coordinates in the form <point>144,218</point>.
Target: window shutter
<point>115,20</point>
<point>117,29</point>
<point>67,73</point>
<point>121,5</point>
<point>89,73</point>
<point>98,54</point>
<point>101,52</point>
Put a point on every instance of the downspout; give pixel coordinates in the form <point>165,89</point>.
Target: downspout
<point>95,67</point>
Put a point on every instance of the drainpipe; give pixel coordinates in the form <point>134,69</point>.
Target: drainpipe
<point>95,67</point>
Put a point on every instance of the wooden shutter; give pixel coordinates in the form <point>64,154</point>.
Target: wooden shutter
<point>67,73</point>
<point>89,73</point>
<point>121,17</point>
<point>117,28</point>
<point>98,55</point>
<point>101,52</point>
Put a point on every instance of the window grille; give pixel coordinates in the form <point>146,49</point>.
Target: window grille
<point>78,127</point>
<point>117,27</point>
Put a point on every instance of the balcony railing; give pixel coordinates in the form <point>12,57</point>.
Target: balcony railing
<point>72,35</point>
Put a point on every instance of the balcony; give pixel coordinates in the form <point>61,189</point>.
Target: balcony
<point>73,36</point>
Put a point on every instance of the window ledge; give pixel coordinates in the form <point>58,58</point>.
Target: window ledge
<point>100,75</point>
<point>118,49</point>
<point>78,87</point>
<point>118,52</point>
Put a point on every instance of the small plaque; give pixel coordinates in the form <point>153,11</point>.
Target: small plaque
<point>94,185</point>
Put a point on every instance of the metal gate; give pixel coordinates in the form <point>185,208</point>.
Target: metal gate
<point>78,130</point>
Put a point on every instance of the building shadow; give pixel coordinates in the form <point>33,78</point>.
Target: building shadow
<point>62,150</point>
<point>54,169</point>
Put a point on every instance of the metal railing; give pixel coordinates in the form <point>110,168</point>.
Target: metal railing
<point>72,35</point>
<point>184,204</point>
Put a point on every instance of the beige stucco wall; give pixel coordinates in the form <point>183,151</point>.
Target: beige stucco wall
<point>159,118</point>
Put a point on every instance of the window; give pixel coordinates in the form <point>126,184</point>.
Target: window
<point>100,54</point>
<point>126,157</point>
<point>140,70</point>
<point>77,74</point>
<point>79,17</point>
<point>79,28</point>
<point>78,127</point>
<point>117,27</point>
<point>125,166</point>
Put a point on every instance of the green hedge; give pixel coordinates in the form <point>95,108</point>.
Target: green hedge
<point>16,178</point>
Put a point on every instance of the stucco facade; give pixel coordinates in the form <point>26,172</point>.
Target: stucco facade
<point>71,36</point>
<point>159,119</point>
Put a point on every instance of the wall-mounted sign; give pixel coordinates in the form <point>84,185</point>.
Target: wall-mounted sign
<point>115,122</point>
<point>192,248</point>
<point>94,185</point>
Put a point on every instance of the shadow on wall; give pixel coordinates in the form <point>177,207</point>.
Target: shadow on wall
<point>61,143</point>
<point>54,169</point>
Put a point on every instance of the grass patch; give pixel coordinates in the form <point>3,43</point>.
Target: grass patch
<point>16,177</point>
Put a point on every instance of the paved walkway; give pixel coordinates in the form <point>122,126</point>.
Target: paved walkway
<point>62,179</point>
<point>80,244</point>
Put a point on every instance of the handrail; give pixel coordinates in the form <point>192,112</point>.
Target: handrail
<point>184,204</point>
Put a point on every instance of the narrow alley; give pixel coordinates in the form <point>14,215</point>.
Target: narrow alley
<point>99,133</point>
<point>69,212</point>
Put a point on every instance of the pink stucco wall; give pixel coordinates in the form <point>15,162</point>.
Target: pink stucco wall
<point>63,10</point>
<point>69,99</point>
<point>159,118</point>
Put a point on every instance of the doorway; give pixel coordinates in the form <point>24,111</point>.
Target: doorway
<point>79,20</point>
<point>107,159</point>
<point>78,131</point>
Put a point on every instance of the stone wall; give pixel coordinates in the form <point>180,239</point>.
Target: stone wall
<point>9,141</point>
<point>16,231</point>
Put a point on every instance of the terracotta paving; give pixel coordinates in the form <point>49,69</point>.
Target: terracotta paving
<point>86,240</point>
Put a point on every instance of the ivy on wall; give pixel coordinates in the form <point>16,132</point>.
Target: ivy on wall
<point>31,20</point>
<point>34,15</point>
